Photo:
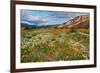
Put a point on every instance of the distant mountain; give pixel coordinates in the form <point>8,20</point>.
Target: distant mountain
<point>26,25</point>
<point>77,22</point>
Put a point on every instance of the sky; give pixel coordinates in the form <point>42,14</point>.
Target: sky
<point>43,18</point>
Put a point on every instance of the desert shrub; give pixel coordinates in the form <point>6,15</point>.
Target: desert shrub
<point>73,30</point>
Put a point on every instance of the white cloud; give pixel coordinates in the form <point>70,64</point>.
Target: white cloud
<point>25,12</point>
<point>25,22</point>
<point>37,18</point>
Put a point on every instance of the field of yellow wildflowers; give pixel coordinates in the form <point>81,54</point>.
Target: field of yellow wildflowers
<point>50,44</point>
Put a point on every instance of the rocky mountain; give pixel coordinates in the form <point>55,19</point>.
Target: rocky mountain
<point>77,22</point>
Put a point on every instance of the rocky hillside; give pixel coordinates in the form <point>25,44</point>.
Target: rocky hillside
<point>77,22</point>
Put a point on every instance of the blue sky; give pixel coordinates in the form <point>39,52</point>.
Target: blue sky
<point>42,17</point>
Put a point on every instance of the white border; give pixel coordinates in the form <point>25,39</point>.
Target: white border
<point>53,64</point>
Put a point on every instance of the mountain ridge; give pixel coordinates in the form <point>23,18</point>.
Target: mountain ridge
<point>77,22</point>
